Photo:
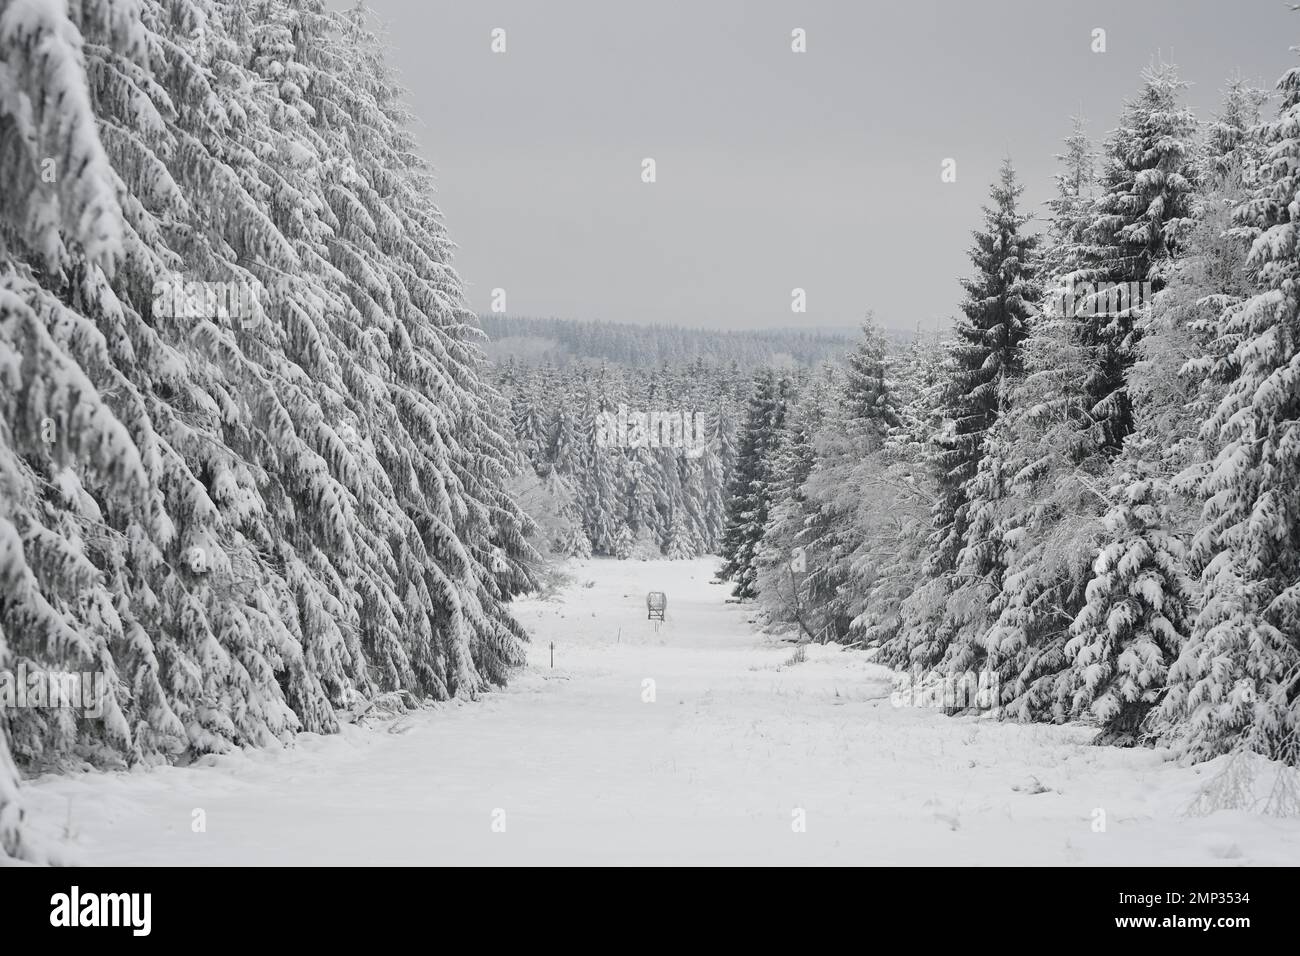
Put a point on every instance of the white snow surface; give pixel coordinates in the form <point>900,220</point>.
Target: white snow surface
<point>737,740</point>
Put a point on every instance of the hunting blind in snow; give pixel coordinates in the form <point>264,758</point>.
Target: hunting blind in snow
<point>655,604</point>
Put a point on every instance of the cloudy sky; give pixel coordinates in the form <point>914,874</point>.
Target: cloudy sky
<point>775,170</point>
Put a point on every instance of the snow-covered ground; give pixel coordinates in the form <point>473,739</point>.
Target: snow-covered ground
<point>573,764</point>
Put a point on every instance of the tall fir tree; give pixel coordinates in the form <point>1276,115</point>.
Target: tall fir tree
<point>985,358</point>
<point>750,493</point>
<point>1033,499</point>
<point>782,561</point>
<point>849,445</point>
<point>1236,682</point>
<point>1000,298</point>
<point>896,588</point>
<point>1138,221</point>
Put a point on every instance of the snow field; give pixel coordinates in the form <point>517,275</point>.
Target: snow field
<point>572,765</point>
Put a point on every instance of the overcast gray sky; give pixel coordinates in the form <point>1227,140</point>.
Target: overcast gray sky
<point>775,170</point>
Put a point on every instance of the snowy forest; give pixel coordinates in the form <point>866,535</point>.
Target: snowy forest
<point>249,512</point>
<point>1084,500</point>
<point>588,495</point>
<point>266,476</point>
<point>623,499</point>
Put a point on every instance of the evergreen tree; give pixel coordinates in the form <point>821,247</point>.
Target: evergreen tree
<point>1231,150</point>
<point>888,565</point>
<point>984,359</point>
<point>781,560</point>
<point>65,457</point>
<point>840,500</point>
<point>1000,297</point>
<point>1034,491</point>
<point>1041,507</point>
<point>680,544</point>
<point>1138,222</point>
<point>1236,683</point>
<point>1135,614</point>
<point>749,496</point>
<point>1071,207</point>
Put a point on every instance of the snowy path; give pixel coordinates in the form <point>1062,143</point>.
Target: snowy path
<point>713,771</point>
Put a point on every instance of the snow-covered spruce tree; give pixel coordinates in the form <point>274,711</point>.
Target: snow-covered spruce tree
<point>1136,609</point>
<point>680,544</point>
<point>1062,254</point>
<point>566,536</point>
<point>719,463</point>
<point>1236,683</point>
<point>624,542</point>
<point>781,569</point>
<point>59,211</point>
<point>436,539</point>
<point>1037,500</point>
<point>701,488</point>
<point>1231,152</point>
<point>1141,599</point>
<point>526,414</point>
<point>749,495</point>
<point>561,442</point>
<point>867,395</point>
<point>889,566</point>
<point>678,538</point>
<point>640,493</point>
<point>245,672</point>
<point>841,505</point>
<point>984,353</point>
<point>550,504</point>
<point>1040,454</point>
<point>202,612</point>
<point>1137,222</point>
<point>1001,296</point>
<point>724,432</point>
<point>486,522</point>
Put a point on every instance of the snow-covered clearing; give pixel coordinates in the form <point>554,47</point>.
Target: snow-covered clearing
<point>581,769</point>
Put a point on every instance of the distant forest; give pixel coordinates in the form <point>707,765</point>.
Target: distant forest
<point>559,376</point>
<point>534,341</point>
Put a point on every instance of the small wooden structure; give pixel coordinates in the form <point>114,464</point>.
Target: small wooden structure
<point>656,602</point>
